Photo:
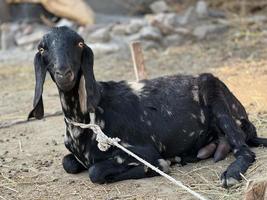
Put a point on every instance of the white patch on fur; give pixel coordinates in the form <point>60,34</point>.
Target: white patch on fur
<point>161,147</point>
<point>63,102</point>
<point>74,132</point>
<point>142,119</point>
<point>86,155</point>
<point>137,87</point>
<point>164,165</point>
<point>177,159</point>
<point>145,169</point>
<point>238,122</point>
<point>145,113</point>
<point>102,124</point>
<point>202,117</point>
<point>195,92</point>
<point>67,139</point>
<point>169,112</point>
<point>125,144</point>
<point>153,138</point>
<point>149,123</point>
<point>119,159</point>
<point>184,131</point>
<point>80,161</point>
<point>193,116</point>
<point>133,164</point>
<point>93,138</point>
<point>82,95</point>
<point>234,107</point>
<point>192,134</point>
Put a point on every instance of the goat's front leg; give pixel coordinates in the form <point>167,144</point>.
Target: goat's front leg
<point>72,165</point>
<point>214,96</point>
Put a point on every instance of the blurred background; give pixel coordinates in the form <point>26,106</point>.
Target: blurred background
<point>225,37</point>
<point>109,25</point>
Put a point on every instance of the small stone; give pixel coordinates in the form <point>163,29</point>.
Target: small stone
<point>24,170</point>
<point>54,142</point>
<point>159,7</point>
<point>100,35</point>
<point>173,40</point>
<point>119,29</point>
<point>202,9</point>
<point>135,26</point>
<point>201,31</point>
<point>150,33</point>
<point>147,45</point>
<point>216,13</point>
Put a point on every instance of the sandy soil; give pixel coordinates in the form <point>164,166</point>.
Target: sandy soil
<point>31,153</point>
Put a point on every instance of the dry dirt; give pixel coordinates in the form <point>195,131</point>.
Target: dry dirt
<point>31,153</point>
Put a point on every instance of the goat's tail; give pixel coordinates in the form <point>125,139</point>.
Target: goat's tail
<point>257,141</point>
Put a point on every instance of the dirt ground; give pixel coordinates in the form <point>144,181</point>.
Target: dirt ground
<point>31,153</point>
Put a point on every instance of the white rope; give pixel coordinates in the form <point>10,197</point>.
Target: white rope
<point>104,142</point>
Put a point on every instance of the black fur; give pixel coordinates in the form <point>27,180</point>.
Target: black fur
<point>161,120</point>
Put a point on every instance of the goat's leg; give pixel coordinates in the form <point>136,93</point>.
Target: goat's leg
<point>214,97</point>
<point>102,171</point>
<point>72,165</point>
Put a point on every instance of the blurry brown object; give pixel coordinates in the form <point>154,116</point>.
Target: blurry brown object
<point>76,10</point>
<point>256,190</point>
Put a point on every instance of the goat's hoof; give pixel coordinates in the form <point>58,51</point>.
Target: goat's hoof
<point>71,165</point>
<point>230,178</point>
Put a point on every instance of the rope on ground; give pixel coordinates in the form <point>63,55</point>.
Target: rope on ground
<point>104,142</point>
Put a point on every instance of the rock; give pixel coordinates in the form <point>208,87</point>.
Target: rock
<point>119,29</point>
<point>159,7</point>
<point>202,9</point>
<point>173,40</point>
<point>187,16</point>
<point>105,48</point>
<point>147,45</point>
<point>27,39</point>
<point>100,35</point>
<point>200,32</point>
<point>216,13</point>
<point>135,26</point>
<point>150,33</point>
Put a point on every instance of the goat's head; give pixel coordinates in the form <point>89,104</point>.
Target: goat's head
<point>63,53</point>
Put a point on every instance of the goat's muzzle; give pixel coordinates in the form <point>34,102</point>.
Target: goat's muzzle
<point>65,79</point>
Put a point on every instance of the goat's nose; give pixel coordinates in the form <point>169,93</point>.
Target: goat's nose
<point>63,74</point>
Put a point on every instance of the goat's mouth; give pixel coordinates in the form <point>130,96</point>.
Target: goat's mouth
<point>65,84</point>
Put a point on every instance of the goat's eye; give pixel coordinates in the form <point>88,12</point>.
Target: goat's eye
<point>41,50</point>
<point>81,44</point>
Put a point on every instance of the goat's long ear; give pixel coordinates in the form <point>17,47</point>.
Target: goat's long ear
<point>91,86</point>
<point>40,72</point>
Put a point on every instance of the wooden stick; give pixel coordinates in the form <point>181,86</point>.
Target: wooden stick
<point>138,61</point>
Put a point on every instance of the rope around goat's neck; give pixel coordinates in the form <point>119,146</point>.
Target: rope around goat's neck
<point>104,143</point>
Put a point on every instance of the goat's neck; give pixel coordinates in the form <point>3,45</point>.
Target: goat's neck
<point>74,103</point>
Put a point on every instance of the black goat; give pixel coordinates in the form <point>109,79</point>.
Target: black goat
<point>164,119</point>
